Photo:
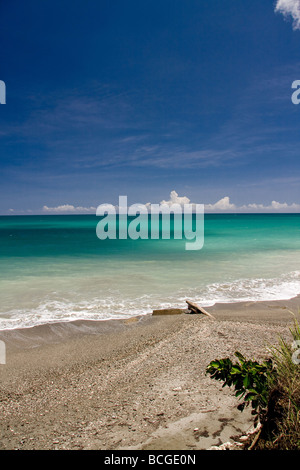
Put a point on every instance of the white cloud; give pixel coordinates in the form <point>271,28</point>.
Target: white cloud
<point>67,208</point>
<point>223,204</point>
<point>290,8</point>
<point>175,199</point>
<point>273,207</point>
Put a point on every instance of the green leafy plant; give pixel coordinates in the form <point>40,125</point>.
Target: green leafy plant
<point>249,378</point>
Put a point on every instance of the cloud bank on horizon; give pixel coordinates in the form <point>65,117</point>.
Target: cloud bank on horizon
<point>224,205</point>
<point>69,209</point>
<point>289,8</point>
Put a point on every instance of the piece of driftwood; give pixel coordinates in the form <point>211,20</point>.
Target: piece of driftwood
<point>197,309</point>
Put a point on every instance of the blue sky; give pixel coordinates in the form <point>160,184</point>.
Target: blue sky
<point>141,98</point>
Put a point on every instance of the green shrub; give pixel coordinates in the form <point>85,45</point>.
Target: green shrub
<point>249,379</point>
<point>272,388</point>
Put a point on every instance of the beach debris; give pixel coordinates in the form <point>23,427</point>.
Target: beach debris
<point>244,441</point>
<point>226,446</point>
<point>194,308</point>
<point>168,311</point>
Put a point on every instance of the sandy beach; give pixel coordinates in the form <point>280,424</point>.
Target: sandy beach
<point>138,383</point>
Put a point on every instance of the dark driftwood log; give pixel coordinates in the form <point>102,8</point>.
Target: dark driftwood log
<point>196,309</point>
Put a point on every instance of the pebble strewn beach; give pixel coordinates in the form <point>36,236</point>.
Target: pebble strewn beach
<point>138,383</point>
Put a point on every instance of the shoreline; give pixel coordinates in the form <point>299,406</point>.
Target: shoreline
<point>57,331</point>
<point>137,383</point>
<point>73,311</point>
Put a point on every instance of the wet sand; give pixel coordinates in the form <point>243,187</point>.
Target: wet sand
<point>138,383</point>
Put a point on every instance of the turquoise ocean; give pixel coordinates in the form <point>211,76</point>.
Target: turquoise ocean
<point>55,268</point>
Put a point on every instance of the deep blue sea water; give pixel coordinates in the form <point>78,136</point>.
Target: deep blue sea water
<point>55,268</point>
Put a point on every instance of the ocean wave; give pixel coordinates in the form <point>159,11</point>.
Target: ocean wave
<point>118,307</point>
<point>243,290</point>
